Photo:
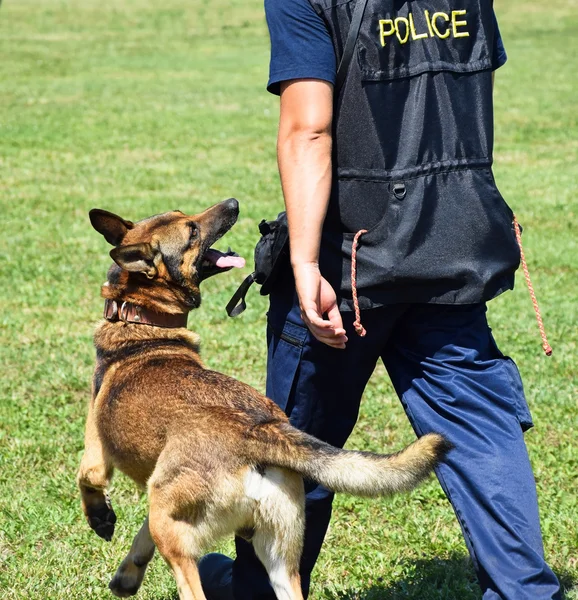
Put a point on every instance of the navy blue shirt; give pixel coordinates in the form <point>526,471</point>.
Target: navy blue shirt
<point>301,47</point>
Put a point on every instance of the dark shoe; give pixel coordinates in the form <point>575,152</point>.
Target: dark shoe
<point>216,572</point>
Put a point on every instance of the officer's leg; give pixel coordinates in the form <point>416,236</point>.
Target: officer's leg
<point>452,379</point>
<point>320,389</point>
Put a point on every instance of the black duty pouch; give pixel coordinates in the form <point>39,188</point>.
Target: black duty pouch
<point>271,255</point>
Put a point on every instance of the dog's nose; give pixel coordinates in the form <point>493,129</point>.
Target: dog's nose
<point>232,204</point>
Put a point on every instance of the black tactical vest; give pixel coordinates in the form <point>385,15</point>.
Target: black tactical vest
<point>413,140</point>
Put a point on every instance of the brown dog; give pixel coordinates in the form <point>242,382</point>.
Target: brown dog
<point>216,456</point>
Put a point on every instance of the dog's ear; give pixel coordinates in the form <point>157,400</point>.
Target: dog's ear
<point>136,258</point>
<point>112,227</point>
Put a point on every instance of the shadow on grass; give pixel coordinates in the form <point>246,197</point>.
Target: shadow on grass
<point>434,579</point>
<point>437,579</point>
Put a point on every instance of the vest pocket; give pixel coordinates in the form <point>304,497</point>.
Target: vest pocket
<point>444,237</point>
<point>361,203</point>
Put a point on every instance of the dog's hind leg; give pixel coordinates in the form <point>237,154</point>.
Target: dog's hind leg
<point>279,527</point>
<point>93,477</point>
<point>177,518</point>
<point>129,575</point>
<point>283,576</point>
<point>179,545</point>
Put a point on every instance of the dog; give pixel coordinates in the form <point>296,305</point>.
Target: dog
<point>216,456</point>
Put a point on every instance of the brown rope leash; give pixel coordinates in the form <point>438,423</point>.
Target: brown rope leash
<point>545,345</point>
<point>359,328</point>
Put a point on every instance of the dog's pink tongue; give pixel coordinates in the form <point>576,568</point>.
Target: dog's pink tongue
<point>225,261</point>
<point>222,260</point>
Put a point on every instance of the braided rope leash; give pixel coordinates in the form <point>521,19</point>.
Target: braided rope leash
<point>359,328</point>
<point>545,345</point>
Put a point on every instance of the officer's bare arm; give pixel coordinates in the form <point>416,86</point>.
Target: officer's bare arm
<point>304,156</point>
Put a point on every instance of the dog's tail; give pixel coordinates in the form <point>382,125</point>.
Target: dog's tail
<point>352,472</point>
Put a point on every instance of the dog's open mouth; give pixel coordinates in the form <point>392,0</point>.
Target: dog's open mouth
<point>215,261</point>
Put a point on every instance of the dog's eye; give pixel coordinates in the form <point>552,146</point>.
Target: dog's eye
<point>194,231</point>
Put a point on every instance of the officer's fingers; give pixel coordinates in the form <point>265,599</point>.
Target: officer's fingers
<point>329,336</point>
<point>337,343</point>
<point>311,314</point>
<point>335,319</point>
<point>324,331</point>
<point>329,340</point>
<point>324,327</point>
<point>314,318</point>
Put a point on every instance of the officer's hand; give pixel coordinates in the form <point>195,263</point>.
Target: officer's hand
<point>316,298</point>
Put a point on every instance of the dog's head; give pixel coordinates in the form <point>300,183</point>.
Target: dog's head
<point>164,258</point>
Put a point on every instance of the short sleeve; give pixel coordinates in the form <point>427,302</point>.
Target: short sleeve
<point>499,56</point>
<point>301,46</point>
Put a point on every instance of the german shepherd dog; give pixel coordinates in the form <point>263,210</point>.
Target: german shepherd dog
<point>216,456</point>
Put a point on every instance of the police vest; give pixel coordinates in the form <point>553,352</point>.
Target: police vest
<point>413,140</point>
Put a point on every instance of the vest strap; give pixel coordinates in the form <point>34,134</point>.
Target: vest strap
<point>350,43</point>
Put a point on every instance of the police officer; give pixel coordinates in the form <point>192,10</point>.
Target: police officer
<point>395,167</point>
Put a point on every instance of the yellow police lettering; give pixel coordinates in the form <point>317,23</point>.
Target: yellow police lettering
<point>434,18</point>
<point>414,35</point>
<point>456,24</point>
<point>440,25</point>
<point>383,33</point>
<point>426,13</point>
<point>397,32</point>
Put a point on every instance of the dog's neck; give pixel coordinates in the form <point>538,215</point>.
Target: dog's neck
<point>152,297</point>
<point>156,296</point>
<point>133,313</point>
<point>114,336</point>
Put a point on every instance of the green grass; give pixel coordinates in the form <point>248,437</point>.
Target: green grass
<point>140,107</point>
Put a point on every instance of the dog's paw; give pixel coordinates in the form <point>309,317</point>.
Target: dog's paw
<point>127,580</point>
<point>101,519</point>
<point>122,589</point>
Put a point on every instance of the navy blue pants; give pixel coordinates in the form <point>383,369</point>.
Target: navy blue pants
<point>451,379</point>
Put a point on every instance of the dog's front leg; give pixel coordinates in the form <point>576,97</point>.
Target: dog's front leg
<point>93,478</point>
<point>129,575</point>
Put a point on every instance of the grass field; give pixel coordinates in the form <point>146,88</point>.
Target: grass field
<point>140,107</point>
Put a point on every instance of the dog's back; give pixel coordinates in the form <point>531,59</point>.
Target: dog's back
<point>150,385</point>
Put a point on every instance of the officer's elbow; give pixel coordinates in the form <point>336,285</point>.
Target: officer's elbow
<point>306,133</point>
<point>306,111</point>
<point>301,141</point>
<point>308,127</point>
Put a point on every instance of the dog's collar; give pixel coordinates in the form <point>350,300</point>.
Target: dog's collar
<point>131,313</point>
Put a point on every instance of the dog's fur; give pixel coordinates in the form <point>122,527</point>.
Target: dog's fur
<point>216,456</point>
